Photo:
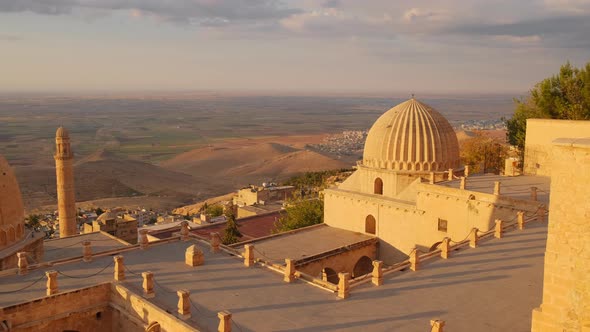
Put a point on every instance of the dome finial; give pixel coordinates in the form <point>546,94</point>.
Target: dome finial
<point>413,96</point>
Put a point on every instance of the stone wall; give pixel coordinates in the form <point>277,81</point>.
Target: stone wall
<point>342,261</point>
<point>80,310</point>
<point>539,135</point>
<point>566,287</point>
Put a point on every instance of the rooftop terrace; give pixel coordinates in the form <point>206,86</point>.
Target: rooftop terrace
<point>505,272</point>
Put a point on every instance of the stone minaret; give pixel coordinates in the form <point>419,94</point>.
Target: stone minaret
<point>64,169</point>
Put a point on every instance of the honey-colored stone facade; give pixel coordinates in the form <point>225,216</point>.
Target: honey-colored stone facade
<point>566,287</point>
<point>64,169</point>
<point>12,215</point>
<point>540,134</point>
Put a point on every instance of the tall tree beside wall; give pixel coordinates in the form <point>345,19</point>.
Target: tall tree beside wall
<point>484,154</point>
<point>563,96</point>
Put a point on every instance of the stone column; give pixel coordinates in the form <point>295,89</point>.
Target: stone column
<point>445,248</point>
<point>377,273</point>
<point>87,251</point>
<point>343,285</point>
<point>51,282</point>
<point>184,230</point>
<point>520,219</point>
<point>224,321</point>
<point>534,194</point>
<point>215,242</point>
<point>431,177</point>
<point>498,229</point>
<point>415,260</point>
<point>566,282</point>
<point>289,270</point>
<point>184,304</point>
<point>119,268</point>
<point>193,256</point>
<point>473,238</point>
<point>148,285</point>
<point>497,185</point>
<point>466,172</point>
<point>143,240</point>
<point>248,255</point>
<point>462,185</point>
<point>437,325</point>
<point>450,178</point>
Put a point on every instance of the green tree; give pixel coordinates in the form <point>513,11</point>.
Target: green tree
<point>231,233</point>
<point>99,211</point>
<point>562,96</point>
<point>300,212</point>
<point>214,210</point>
<point>33,220</point>
<point>484,154</point>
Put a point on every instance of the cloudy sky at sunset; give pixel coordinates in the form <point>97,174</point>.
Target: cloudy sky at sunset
<point>295,45</point>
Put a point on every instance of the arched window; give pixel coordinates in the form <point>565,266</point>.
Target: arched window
<point>370,225</point>
<point>363,266</point>
<point>330,275</point>
<point>378,187</point>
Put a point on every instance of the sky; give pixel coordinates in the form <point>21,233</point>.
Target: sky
<point>442,46</point>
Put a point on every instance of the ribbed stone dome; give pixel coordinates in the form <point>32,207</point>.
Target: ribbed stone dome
<point>12,212</point>
<point>412,136</point>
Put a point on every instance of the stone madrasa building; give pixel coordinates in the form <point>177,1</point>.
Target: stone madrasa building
<point>412,242</point>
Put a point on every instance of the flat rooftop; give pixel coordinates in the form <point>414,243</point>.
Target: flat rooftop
<point>518,187</point>
<point>72,246</point>
<point>490,288</point>
<point>305,242</point>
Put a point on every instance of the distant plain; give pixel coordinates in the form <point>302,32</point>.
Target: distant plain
<point>185,147</point>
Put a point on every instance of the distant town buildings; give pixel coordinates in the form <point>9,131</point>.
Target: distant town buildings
<point>120,225</point>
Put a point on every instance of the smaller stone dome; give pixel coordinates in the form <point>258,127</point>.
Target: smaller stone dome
<point>411,136</point>
<point>62,132</point>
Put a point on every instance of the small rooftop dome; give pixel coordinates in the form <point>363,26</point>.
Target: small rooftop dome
<point>412,136</point>
<point>62,132</point>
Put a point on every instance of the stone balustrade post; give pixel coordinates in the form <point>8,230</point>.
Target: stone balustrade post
<point>450,178</point>
<point>534,194</point>
<point>289,270</point>
<point>184,304</point>
<point>224,321</point>
<point>215,242</point>
<point>87,251</point>
<point>119,268</point>
<point>193,256</point>
<point>143,240</point>
<point>248,255</point>
<point>51,282</point>
<point>437,325</point>
<point>148,284</point>
<point>415,260</point>
<point>184,230</point>
<point>473,238</point>
<point>377,273</point>
<point>497,185</point>
<point>431,177</point>
<point>466,171</point>
<point>499,229</point>
<point>520,219</point>
<point>463,182</point>
<point>343,285</point>
<point>445,248</point>
<point>23,263</point>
